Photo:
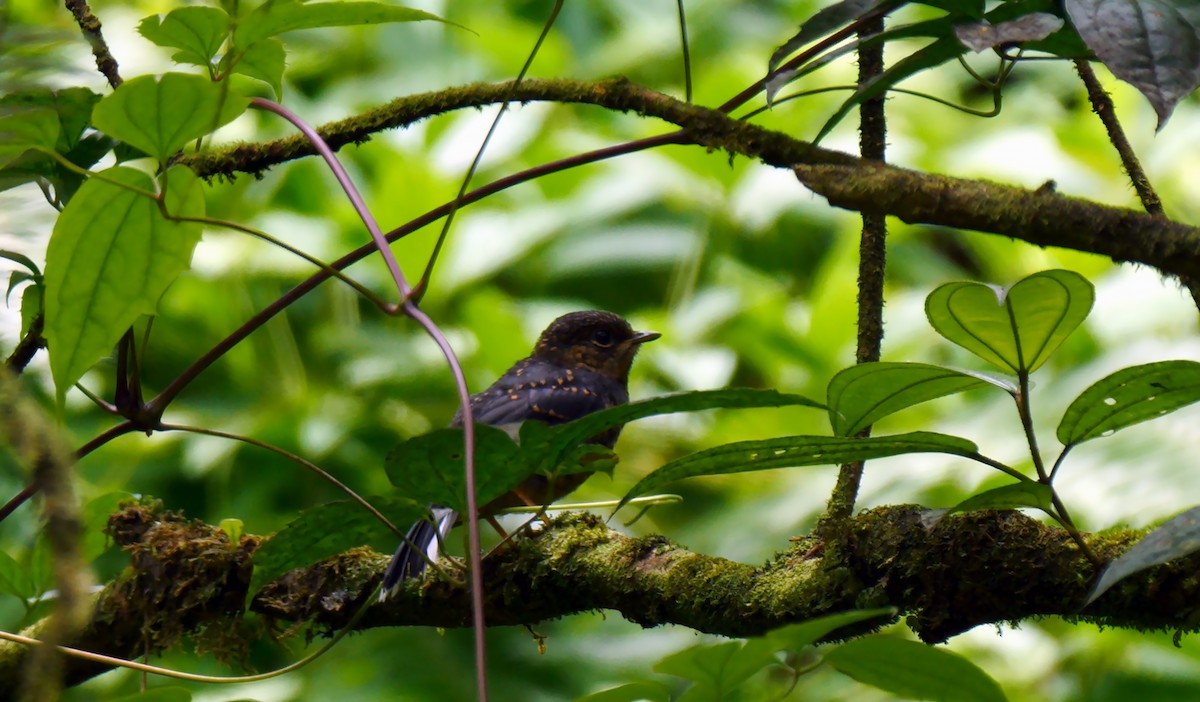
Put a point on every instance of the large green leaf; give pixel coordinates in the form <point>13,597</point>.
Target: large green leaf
<point>1178,537</point>
<point>22,130</point>
<point>1129,396</point>
<point>161,114</point>
<point>913,670</point>
<point>197,32</point>
<point>863,394</point>
<point>430,468</point>
<point>1017,328</point>
<point>547,447</point>
<point>274,18</point>
<point>795,451</point>
<point>110,258</point>
<point>328,530</point>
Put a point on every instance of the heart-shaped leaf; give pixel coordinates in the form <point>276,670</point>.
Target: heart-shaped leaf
<point>160,114</point>
<point>1178,537</point>
<point>1017,328</point>
<point>796,451</point>
<point>861,395</point>
<point>1129,396</point>
<point>197,32</point>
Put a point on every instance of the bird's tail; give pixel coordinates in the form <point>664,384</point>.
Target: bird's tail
<point>422,541</point>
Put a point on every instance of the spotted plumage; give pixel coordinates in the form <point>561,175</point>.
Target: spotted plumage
<point>579,365</point>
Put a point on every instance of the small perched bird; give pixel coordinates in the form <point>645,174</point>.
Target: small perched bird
<point>580,365</point>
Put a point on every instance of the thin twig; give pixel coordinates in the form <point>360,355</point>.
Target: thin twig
<point>90,26</point>
<point>1102,105</point>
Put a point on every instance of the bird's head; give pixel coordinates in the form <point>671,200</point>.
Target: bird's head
<point>595,340</point>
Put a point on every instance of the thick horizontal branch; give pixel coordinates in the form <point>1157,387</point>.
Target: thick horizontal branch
<point>705,126</point>
<point>948,577</point>
<point>1040,217</point>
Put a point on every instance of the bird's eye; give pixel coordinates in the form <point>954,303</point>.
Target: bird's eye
<point>602,338</point>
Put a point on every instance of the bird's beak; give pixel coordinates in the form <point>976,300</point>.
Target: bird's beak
<point>642,337</point>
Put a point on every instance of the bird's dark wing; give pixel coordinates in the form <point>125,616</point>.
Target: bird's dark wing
<point>537,390</point>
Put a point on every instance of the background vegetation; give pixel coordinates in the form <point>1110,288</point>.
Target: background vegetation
<point>750,278</point>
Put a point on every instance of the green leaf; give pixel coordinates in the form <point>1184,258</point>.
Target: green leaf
<point>72,106</point>
<point>1026,493</point>
<point>1017,328</point>
<point>1129,396</point>
<point>161,114</point>
<point>274,18</point>
<point>794,451</point>
<point>110,258</point>
<point>197,32</point>
<point>23,260</point>
<point>631,692</point>
<point>14,579</point>
<point>863,394</point>
<point>95,519</point>
<point>826,20</point>
<point>430,468</point>
<point>330,529</point>
<point>233,528</point>
<point>1176,538</point>
<point>23,130</point>
<point>31,306</point>
<point>547,447</point>
<point>264,60</point>
<point>795,637</point>
<point>715,665</point>
<point>914,670</point>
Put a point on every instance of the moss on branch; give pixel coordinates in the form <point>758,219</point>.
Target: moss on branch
<point>946,577</point>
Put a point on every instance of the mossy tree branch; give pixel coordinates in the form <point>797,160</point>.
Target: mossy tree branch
<point>1040,217</point>
<point>946,577</point>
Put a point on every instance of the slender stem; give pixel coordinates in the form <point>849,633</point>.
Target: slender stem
<point>259,234</point>
<point>319,471</point>
<point>423,284</point>
<point>1065,521</point>
<point>27,347</point>
<point>1102,105</point>
<point>872,259</point>
<point>409,307</point>
<point>90,26</point>
<point>1058,462</point>
<point>1022,400</point>
<point>686,52</point>
<point>192,677</point>
<point>1004,468</point>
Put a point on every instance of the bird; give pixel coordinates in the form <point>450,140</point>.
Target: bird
<point>579,365</point>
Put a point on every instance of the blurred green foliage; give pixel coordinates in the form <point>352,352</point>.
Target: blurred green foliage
<point>750,278</point>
